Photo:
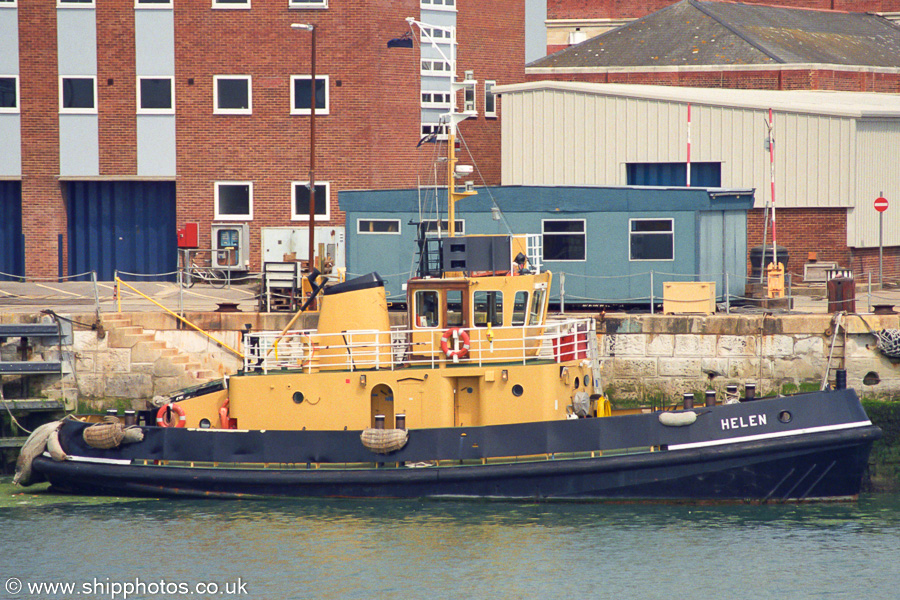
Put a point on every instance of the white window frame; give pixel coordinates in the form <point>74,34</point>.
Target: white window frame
<point>460,229</point>
<point>429,128</point>
<point>438,4</point>
<point>17,108</point>
<point>319,184</point>
<point>217,4</point>
<point>431,103</point>
<point>544,235</point>
<point>305,111</point>
<point>232,111</point>
<point>9,3</point>
<point>142,4</point>
<point>77,111</point>
<point>427,68</point>
<point>75,4</point>
<point>439,35</point>
<point>361,231</point>
<point>233,217</point>
<point>156,111</point>
<point>488,86</point>
<point>309,4</point>
<point>670,233</point>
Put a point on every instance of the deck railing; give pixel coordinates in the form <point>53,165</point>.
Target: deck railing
<point>309,351</point>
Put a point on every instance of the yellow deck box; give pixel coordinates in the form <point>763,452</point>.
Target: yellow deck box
<point>689,297</point>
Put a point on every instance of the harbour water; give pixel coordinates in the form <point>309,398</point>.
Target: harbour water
<point>309,549</point>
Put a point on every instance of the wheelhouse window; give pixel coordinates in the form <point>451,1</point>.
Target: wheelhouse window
<point>564,240</point>
<point>300,94</point>
<point>232,95</point>
<point>234,200</point>
<point>9,94</point>
<point>427,308</point>
<point>300,201</point>
<point>156,95</point>
<point>367,226</point>
<point>520,305</point>
<point>651,239</point>
<point>455,314</point>
<point>78,95</point>
<point>490,100</point>
<point>537,307</point>
<point>488,308</point>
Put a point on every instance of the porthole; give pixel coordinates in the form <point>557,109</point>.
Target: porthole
<point>298,397</point>
<point>576,383</point>
<point>785,417</point>
<point>205,424</point>
<point>517,390</point>
<point>587,380</point>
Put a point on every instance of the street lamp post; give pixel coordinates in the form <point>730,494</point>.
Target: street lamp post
<point>312,141</point>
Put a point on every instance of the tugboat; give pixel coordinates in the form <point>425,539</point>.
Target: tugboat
<point>482,395</point>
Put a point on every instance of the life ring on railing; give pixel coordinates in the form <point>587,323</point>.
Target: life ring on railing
<point>161,415</point>
<point>459,350</point>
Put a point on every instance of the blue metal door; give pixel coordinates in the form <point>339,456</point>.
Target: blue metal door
<point>703,174</point>
<point>12,242</point>
<point>125,226</point>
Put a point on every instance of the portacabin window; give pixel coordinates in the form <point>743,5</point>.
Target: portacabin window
<point>234,200</point>
<point>300,200</point>
<point>651,239</point>
<point>231,3</point>
<point>490,100</point>
<point>564,239</point>
<point>156,95</point>
<point>78,95</point>
<point>308,4</point>
<point>232,95</point>
<point>9,94</point>
<point>433,227</point>
<point>372,226</point>
<point>300,95</point>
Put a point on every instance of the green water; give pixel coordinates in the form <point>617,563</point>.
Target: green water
<point>278,549</point>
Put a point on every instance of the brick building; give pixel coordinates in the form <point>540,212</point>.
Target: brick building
<point>123,120</point>
<point>571,22</point>
<point>752,46</point>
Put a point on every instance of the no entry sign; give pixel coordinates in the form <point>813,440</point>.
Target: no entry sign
<point>881,204</point>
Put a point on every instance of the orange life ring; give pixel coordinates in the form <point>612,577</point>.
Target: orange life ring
<point>459,351</point>
<point>162,421</point>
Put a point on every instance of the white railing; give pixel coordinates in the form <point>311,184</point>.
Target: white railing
<point>307,350</point>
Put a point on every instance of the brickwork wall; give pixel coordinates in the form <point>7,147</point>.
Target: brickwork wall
<point>613,9</point>
<point>43,207</point>
<point>116,83</point>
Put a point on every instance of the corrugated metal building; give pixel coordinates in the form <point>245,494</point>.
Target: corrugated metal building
<point>833,150</point>
<point>615,244</point>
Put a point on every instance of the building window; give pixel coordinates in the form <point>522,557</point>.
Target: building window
<point>367,226</point>
<point>152,3</point>
<point>78,95</point>
<point>231,4</point>
<point>435,229</point>
<point>436,100</point>
<point>426,307</point>
<point>300,95</point>
<point>703,174</point>
<point>9,94</point>
<point>564,240</point>
<point>490,101</point>
<point>433,131</point>
<point>232,95</point>
<point>156,95</point>
<point>308,4</point>
<point>488,308</point>
<point>300,201</point>
<point>439,4</point>
<point>234,200</point>
<point>75,3</point>
<point>437,34</point>
<point>651,239</point>
<point>436,67</point>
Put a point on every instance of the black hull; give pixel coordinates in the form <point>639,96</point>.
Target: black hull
<point>823,454</point>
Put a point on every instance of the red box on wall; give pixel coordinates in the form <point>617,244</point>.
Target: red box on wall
<point>189,236</point>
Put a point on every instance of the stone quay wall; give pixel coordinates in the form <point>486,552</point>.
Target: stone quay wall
<point>660,357</point>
